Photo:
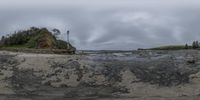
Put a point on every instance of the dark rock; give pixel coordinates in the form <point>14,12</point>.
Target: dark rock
<point>191,61</point>
<point>120,89</point>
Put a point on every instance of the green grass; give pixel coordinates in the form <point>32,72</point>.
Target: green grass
<point>171,47</point>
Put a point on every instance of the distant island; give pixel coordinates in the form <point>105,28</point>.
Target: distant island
<point>35,38</point>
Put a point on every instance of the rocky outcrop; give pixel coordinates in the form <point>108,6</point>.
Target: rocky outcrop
<point>147,74</point>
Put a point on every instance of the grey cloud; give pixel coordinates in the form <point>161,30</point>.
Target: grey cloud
<point>108,24</point>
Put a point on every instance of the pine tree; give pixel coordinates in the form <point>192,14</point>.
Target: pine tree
<point>193,45</point>
<point>186,46</point>
<point>196,44</point>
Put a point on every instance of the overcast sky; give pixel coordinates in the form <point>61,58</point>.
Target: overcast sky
<point>108,24</point>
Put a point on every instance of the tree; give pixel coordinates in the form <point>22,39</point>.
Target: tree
<point>195,45</point>
<point>56,32</point>
<point>186,46</point>
<point>2,40</point>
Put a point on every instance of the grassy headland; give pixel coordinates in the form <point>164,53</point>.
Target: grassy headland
<point>34,38</point>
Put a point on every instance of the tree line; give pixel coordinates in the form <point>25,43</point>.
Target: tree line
<point>195,45</point>
<point>21,37</point>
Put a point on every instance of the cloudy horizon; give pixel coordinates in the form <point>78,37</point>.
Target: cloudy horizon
<point>107,24</point>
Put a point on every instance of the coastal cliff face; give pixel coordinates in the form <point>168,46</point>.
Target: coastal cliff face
<point>142,75</point>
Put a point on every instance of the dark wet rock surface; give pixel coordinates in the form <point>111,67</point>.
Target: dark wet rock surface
<point>24,82</point>
<point>164,72</point>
